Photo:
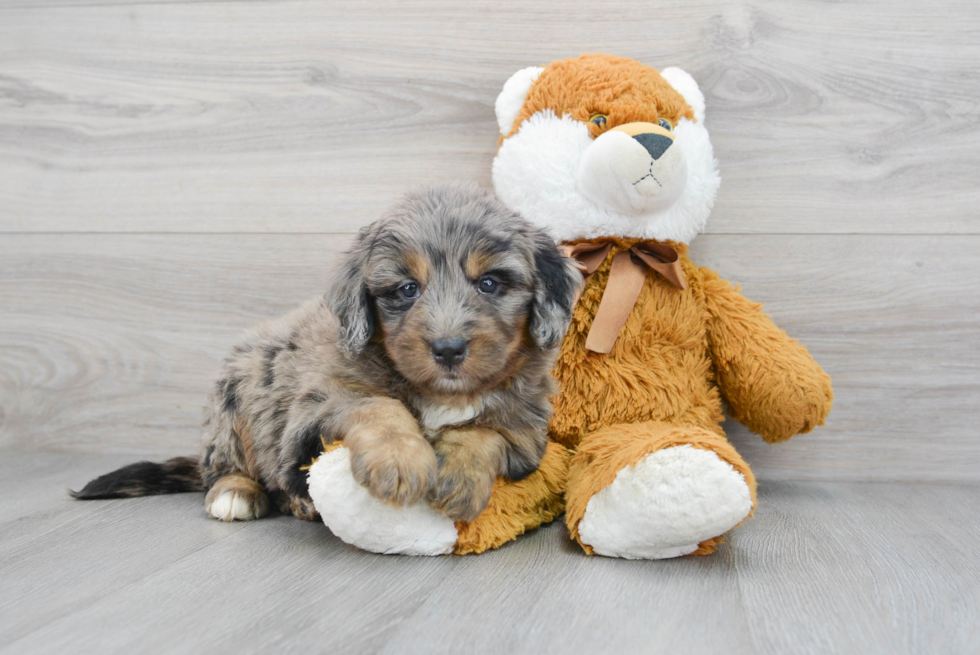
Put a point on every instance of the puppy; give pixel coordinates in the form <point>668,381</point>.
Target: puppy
<point>429,356</point>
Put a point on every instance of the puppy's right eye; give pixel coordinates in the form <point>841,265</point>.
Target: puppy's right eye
<point>487,285</point>
<point>408,291</point>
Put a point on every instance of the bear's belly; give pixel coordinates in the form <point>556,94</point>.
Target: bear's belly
<point>660,369</point>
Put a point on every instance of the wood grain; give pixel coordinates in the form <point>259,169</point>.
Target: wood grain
<point>110,342</point>
<point>115,339</point>
<point>879,567</point>
<point>311,116</point>
<point>172,171</point>
<point>823,567</point>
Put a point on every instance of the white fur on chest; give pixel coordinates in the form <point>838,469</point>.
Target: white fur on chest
<point>435,416</point>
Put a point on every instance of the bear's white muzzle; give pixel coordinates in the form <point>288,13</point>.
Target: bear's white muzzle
<point>634,169</point>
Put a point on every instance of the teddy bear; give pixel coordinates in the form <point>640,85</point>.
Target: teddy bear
<point>612,158</point>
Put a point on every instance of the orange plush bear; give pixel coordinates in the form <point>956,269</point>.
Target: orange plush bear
<point>612,158</point>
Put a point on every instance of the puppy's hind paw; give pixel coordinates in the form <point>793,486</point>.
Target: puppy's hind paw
<point>236,498</point>
<point>302,508</point>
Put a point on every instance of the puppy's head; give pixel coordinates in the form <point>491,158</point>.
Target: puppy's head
<point>458,289</point>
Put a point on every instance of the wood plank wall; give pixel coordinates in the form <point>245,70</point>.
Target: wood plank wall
<point>172,172</point>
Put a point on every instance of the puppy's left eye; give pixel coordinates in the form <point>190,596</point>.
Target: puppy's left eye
<point>664,123</point>
<point>487,285</point>
<point>408,291</point>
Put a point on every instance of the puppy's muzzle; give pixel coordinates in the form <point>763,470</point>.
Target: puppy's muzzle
<point>449,352</point>
<point>633,169</point>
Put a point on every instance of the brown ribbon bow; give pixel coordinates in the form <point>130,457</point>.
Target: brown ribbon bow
<point>625,282</point>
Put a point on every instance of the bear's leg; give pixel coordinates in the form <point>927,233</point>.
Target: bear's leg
<point>653,490</point>
<point>359,518</point>
<point>516,507</point>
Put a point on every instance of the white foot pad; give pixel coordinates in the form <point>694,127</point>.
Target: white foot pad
<point>665,505</point>
<point>362,520</point>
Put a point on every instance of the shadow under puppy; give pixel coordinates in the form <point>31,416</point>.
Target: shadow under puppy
<point>430,356</point>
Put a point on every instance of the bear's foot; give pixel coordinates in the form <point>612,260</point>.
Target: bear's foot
<point>360,519</point>
<point>653,490</point>
<point>665,505</point>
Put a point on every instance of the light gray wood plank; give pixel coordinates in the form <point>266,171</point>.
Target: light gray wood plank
<point>101,549</point>
<point>284,574</point>
<point>111,342</point>
<point>33,483</point>
<point>312,116</point>
<point>556,600</point>
<point>53,4</point>
<point>880,568</point>
<point>823,567</point>
<point>141,323</point>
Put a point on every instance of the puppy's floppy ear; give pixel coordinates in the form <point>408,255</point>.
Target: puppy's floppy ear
<point>348,297</point>
<point>556,282</point>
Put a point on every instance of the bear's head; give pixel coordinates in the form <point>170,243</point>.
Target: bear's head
<point>604,146</point>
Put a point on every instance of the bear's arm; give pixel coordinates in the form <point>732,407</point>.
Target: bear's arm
<point>771,383</point>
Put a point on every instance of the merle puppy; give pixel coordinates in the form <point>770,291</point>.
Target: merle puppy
<point>430,356</point>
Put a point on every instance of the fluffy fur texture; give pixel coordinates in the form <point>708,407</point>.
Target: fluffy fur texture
<point>429,356</point>
<point>145,479</point>
<point>360,519</point>
<point>511,98</point>
<point>634,415</point>
<point>693,490</point>
<point>643,515</point>
<point>364,521</point>
<point>538,170</point>
<point>679,353</point>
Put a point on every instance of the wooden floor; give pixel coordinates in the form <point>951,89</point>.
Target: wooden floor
<point>824,567</point>
<point>173,171</point>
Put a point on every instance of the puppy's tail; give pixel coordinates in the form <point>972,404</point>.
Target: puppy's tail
<point>173,476</point>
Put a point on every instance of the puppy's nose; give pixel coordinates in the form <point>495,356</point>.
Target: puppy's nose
<point>656,144</point>
<point>449,352</point>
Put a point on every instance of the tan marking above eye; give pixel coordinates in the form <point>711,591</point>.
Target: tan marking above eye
<point>478,263</point>
<point>418,266</point>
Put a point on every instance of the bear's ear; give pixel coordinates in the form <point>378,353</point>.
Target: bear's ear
<point>511,98</point>
<point>684,84</point>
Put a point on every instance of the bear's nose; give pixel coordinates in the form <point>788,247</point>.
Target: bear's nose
<point>656,144</point>
<point>449,352</point>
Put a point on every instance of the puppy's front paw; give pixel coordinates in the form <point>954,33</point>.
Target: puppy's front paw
<point>398,469</point>
<point>461,493</point>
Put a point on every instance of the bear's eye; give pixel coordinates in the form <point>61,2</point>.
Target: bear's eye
<point>599,120</point>
<point>664,123</point>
